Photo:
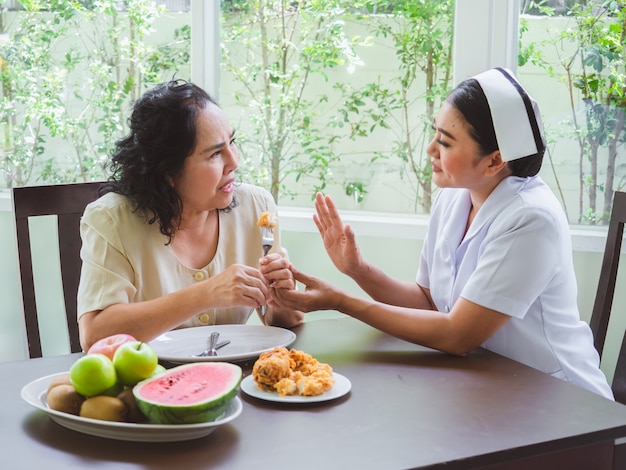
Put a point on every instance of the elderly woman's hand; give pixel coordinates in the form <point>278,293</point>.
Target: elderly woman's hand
<point>238,285</point>
<point>275,270</point>
<point>277,273</point>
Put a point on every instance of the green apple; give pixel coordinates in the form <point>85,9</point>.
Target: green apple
<point>134,361</point>
<point>93,374</point>
<point>159,370</point>
<point>115,390</point>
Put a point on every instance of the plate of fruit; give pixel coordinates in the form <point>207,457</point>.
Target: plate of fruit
<point>123,393</point>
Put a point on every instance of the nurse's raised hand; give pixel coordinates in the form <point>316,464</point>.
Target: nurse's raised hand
<point>339,239</point>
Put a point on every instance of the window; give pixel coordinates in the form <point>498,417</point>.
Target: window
<point>362,125</point>
<point>573,62</point>
<point>63,101</point>
<point>343,102</point>
<point>335,96</point>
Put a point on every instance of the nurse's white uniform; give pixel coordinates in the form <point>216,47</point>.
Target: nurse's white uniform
<point>516,259</point>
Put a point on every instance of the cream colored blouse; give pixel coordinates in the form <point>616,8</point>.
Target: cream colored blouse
<point>125,259</point>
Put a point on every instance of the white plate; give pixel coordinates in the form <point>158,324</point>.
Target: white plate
<point>341,386</point>
<point>246,342</point>
<point>34,393</point>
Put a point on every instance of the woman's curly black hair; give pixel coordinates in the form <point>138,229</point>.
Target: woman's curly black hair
<point>162,135</point>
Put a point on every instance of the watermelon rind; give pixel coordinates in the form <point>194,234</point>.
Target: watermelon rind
<point>190,410</point>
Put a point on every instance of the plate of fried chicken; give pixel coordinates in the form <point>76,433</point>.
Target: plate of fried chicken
<point>293,376</point>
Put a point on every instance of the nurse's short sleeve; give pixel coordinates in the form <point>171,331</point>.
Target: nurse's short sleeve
<point>422,278</point>
<point>519,258</point>
<point>106,274</point>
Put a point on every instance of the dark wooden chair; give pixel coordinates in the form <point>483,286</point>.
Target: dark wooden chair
<point>601,313</point>
<point>67,202</point>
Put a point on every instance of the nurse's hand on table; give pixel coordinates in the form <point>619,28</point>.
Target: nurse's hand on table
<point>318,294</point>
<point>339,239</point>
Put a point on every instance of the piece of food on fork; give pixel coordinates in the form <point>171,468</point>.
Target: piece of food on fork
<point>267,220</point>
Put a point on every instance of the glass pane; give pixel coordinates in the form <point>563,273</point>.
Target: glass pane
<point>337,96</point>
<point>69,72</point>
<point>573,64</point>
<point>340,97</point>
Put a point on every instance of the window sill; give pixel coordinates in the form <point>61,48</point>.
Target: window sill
<point>393,226</point>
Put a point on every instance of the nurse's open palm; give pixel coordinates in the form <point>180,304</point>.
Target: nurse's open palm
<point>339,239</point>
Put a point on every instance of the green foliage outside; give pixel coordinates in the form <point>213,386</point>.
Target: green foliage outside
<point>591,58</point>
<point>278,52</point>
<point>421,34</point>
<point>69,71</point>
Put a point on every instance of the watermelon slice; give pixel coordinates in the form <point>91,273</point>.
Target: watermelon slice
<point>191,393</point>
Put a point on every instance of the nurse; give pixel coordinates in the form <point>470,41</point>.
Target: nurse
<point>496,268</point>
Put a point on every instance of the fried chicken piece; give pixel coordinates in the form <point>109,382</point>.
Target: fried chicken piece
<point>306,363</point>
<point>286,386</point>
<point>311,386</point>
<point>306,375</point>
<point>271,367</point>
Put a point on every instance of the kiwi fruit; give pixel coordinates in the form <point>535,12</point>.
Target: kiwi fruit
<point>104,407</point>
<point>63,397</point>
<point>135,415</point>
<point>63,379</point>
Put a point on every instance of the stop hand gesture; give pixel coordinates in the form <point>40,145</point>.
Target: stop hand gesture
<point>339,239</point>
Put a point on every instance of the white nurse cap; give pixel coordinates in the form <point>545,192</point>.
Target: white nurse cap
<point>515,114</point>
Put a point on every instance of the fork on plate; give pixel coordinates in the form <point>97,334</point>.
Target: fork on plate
<point>267,234</point>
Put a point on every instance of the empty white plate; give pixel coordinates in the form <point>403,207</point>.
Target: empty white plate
<point>246,342</point>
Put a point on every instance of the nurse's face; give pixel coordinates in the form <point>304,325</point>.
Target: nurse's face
<point>208,174</point>
<point>455,160</point>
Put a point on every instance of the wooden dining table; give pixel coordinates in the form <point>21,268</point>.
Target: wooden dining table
<point>408,407</point>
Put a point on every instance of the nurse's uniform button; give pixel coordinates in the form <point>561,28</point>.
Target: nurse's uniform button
<point>204,318</point>
<point>198,276</point>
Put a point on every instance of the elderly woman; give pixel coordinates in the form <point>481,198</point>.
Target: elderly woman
<point>496,268</point>
<point>174,241</point>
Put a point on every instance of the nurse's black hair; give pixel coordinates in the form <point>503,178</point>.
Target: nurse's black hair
<point>162,135</point>
<point>470,100</point>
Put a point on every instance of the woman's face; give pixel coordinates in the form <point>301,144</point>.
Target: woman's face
<point>455,160</point>
<point>208,174</point>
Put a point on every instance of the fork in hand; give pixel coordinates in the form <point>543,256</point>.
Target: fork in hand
<point>267,234</point>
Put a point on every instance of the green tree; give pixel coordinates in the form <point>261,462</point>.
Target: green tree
<point>276,50</point>
<point>421,35</point>
<point>69,73</point>
<point>591,57</point>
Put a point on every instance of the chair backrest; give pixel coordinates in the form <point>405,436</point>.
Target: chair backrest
<point>67,202</point>
<point>606,287</point>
